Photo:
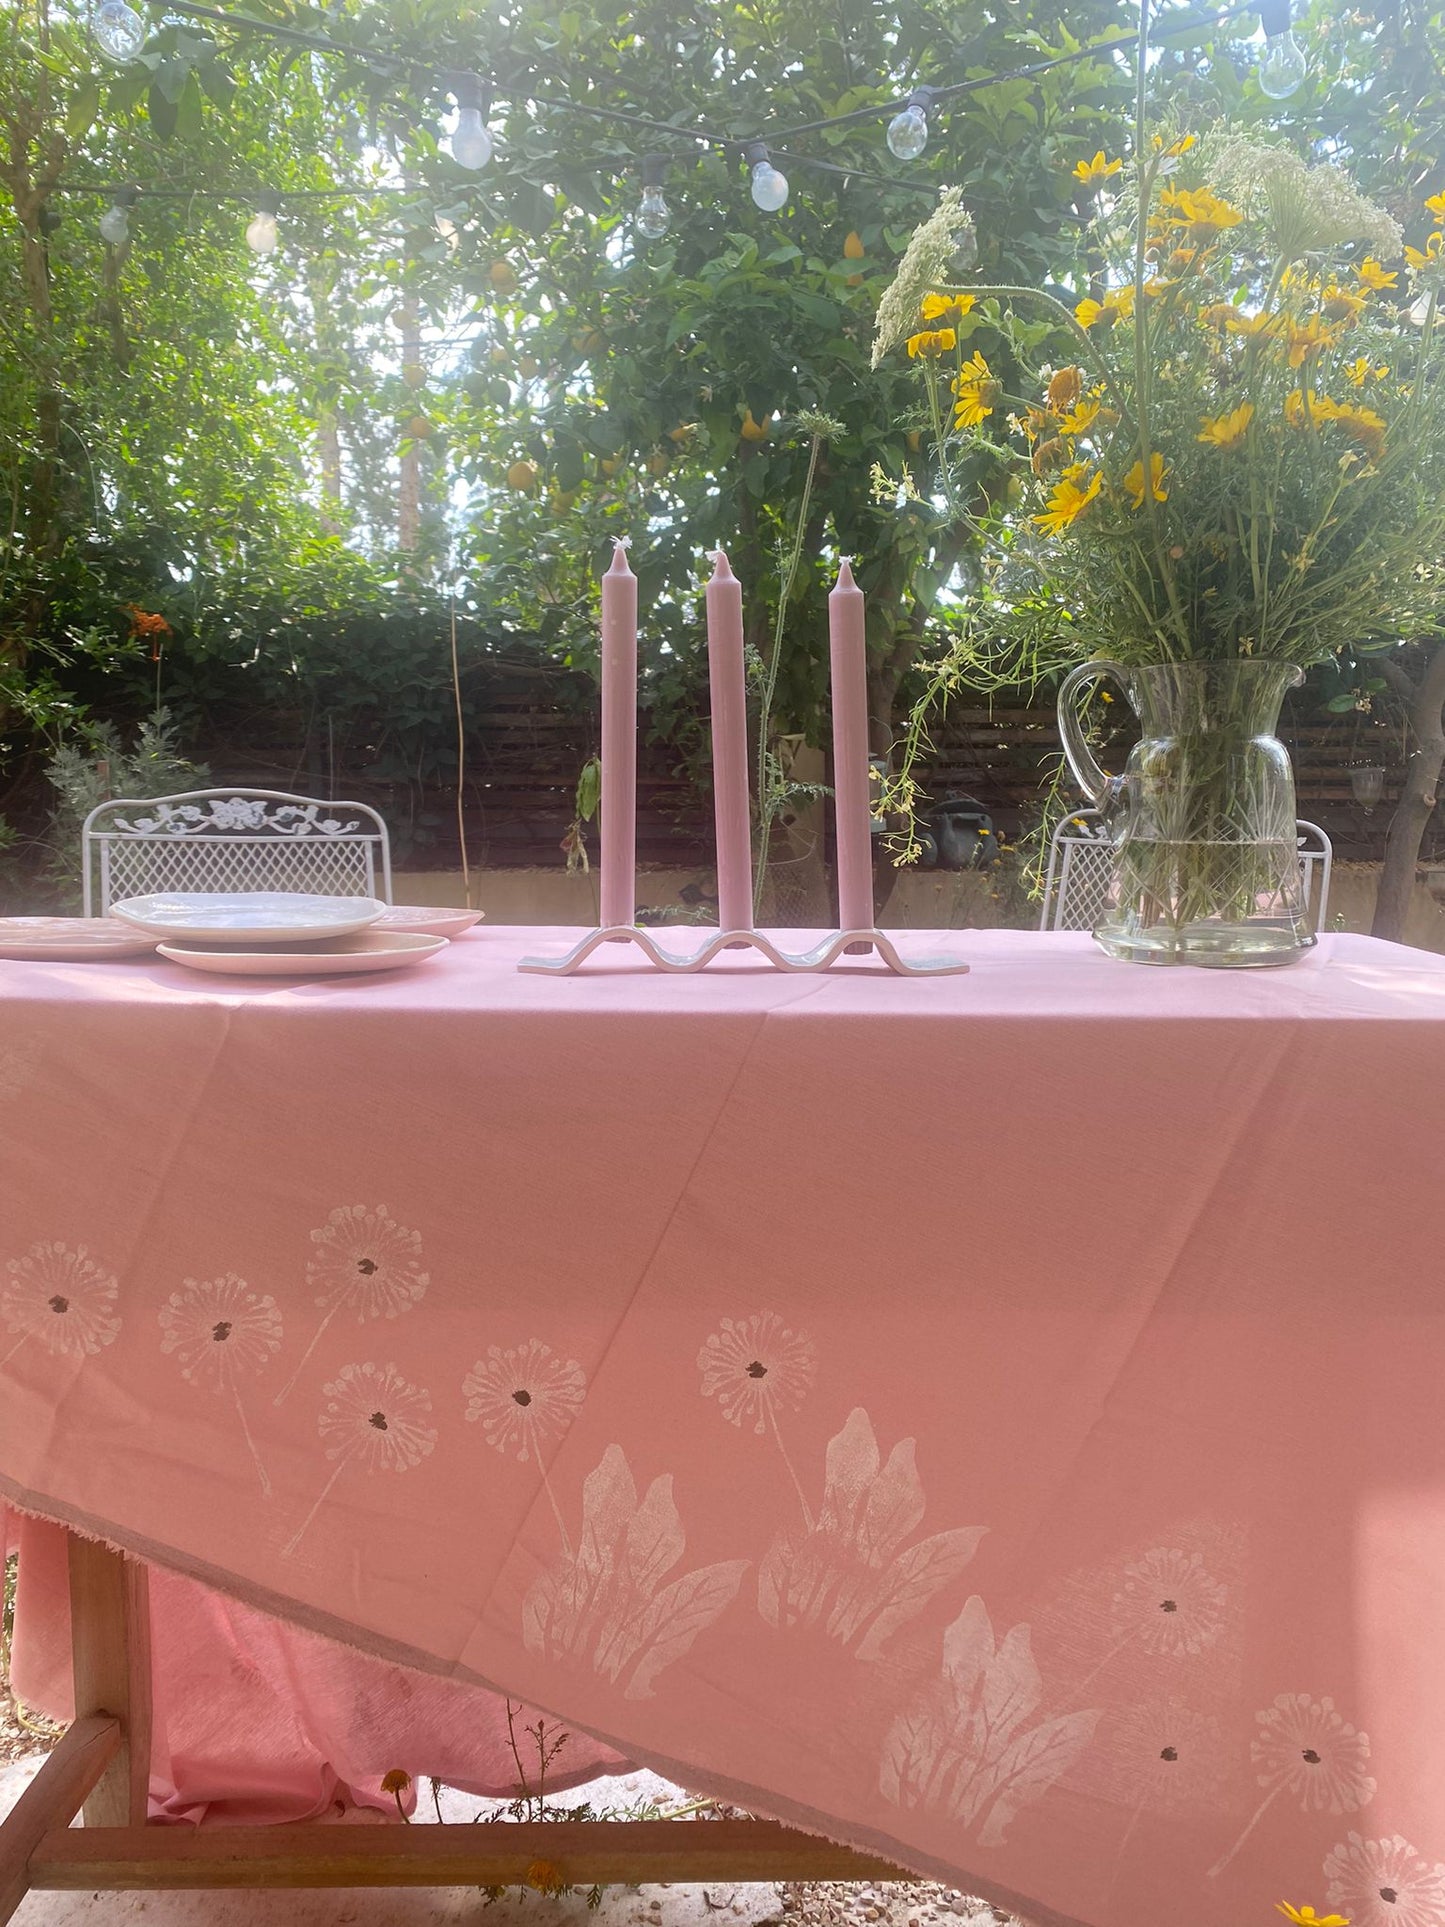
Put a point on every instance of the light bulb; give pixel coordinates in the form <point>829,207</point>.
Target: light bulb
<point>1282,69</point>
<point>908,132</point>
<point>115,224</point>
<point>261,235</point>
<point>770,188</point>
<point>653,216</point>
<point>471,143</point>
<point>119,31</point>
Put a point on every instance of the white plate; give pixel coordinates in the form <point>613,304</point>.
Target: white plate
<point>329,957</point>
<point>63,939</point>
<point>262,916</point>
<point>428,920</point>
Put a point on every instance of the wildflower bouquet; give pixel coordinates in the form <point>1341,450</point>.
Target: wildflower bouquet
<point>1232,446</point>
<point>1223,461</point>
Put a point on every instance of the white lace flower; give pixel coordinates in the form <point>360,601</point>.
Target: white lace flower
<point>376,1419</point>
<point>61,1298</point>
<point>757,1368</point>
<point>1171,1602</point>
<point>1304,1746</point>
<point>367,1261</point>
<point>524,1396</point>
<point>1385,1883</point>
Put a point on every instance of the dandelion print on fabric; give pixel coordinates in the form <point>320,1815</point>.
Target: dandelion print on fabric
<point>222,1333</point>
<point>60,1299</point>
<point>848,1572</point>
<point>375,1420</point>
<point>966,1748</point>
<point>756,1368</point>
<point>526,1396</point>
<point>1385,1883</point>
<point>606,1603</point>
<point>364,1262</point>
<point>1305,1749</point>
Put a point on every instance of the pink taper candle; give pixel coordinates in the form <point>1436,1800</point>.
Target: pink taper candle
<point>852,816</point>
<point>729,747</point>
<point>619,742</point>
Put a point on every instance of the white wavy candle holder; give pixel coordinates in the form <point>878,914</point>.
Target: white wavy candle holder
<point>821,957</point>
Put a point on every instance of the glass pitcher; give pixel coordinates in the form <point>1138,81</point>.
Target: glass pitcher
<point>1206,853</point>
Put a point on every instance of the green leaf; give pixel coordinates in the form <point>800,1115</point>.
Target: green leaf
<point>162,113</point>
<point>190,109</point>
<point>84,106</point>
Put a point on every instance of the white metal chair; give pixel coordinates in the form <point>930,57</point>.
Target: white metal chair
<point>1081,860</point>
<point>232,839</point>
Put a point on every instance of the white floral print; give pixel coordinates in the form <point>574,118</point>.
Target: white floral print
<point>524,1396</point>
<point>756,1368</point>
<point>1305,1748</point>
<point>374,1419</point>
<point>849,1571</point>
<point>1163,1756</point>
<point>606,1603</point>
<point>1385,1883</point>
<point>965,1747</point>
<point>1304,1745</point>
<point>221,1332</point>
<point>364,1262</point>
<point>1169,1602</point>
<point>62,1299</point>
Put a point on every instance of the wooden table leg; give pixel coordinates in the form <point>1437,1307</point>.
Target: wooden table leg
<point>110,1649</point>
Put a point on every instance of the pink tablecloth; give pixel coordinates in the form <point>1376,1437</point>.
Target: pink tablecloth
<point>993,1420</point>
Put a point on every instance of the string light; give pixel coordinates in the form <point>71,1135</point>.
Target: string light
<point>653,216</point>
<point>1282,67</point>
<point>120,32</point>
<point>115,222</point>
<point>471,142</point>
<point>908,131</point>
<point>769,188</point>
<point>261,231</point>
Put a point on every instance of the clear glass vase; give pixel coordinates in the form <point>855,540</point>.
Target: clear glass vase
<point>1206,853</point>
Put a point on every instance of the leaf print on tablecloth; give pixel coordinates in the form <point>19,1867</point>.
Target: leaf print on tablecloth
<point>605,1602</point>
<point>1305,1748</point>
<point>364,1262</point>
<point>375,1419</point>
<point>60,1298</point>
<point>964,1748</point>
<point>1385,1883</point>
<point>846,1571</point>
<point>221,1332</point>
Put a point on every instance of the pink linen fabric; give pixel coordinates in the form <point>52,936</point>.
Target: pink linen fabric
<point>991,1419</point>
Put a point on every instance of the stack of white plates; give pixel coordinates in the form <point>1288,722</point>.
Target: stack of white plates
<point>274,933</point>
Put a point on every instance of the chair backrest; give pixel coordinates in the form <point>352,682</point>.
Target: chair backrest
<point>1081,860</point>
<point>232,839</point>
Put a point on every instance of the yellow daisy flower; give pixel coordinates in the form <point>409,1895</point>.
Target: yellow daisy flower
<point>1075,489</point>
<point>1362,425</point>
<point>1371,275</point>
<point>1253,324</point>
<point>1436,206</point>
<point>1098,169</point>
<point>933,341</point>
<point>1227,431</point>
<point>1361,370</point>
<point>1181,146</point>
<point>1429,255</point>
<point>1065,387</point>
<point>1134,481</point>
<point>1307,338</point>
<point>1340,304</point>
<point>977,392</point>
<point>1117,305</point>
<point>1080,418</point>
<point>1307,1917</point>
<point>1199,209</point>
<point>945,307</point>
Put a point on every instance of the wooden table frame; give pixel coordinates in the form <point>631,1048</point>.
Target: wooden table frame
<point>101,1770</point>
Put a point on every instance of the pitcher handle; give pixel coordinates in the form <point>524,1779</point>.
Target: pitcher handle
<point>1101,789</point>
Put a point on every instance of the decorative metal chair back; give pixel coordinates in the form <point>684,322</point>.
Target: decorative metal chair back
<point>1081,863</point>
<point>232,839</point>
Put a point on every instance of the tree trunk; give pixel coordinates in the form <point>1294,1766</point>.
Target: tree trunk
<point>1426,699</point>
